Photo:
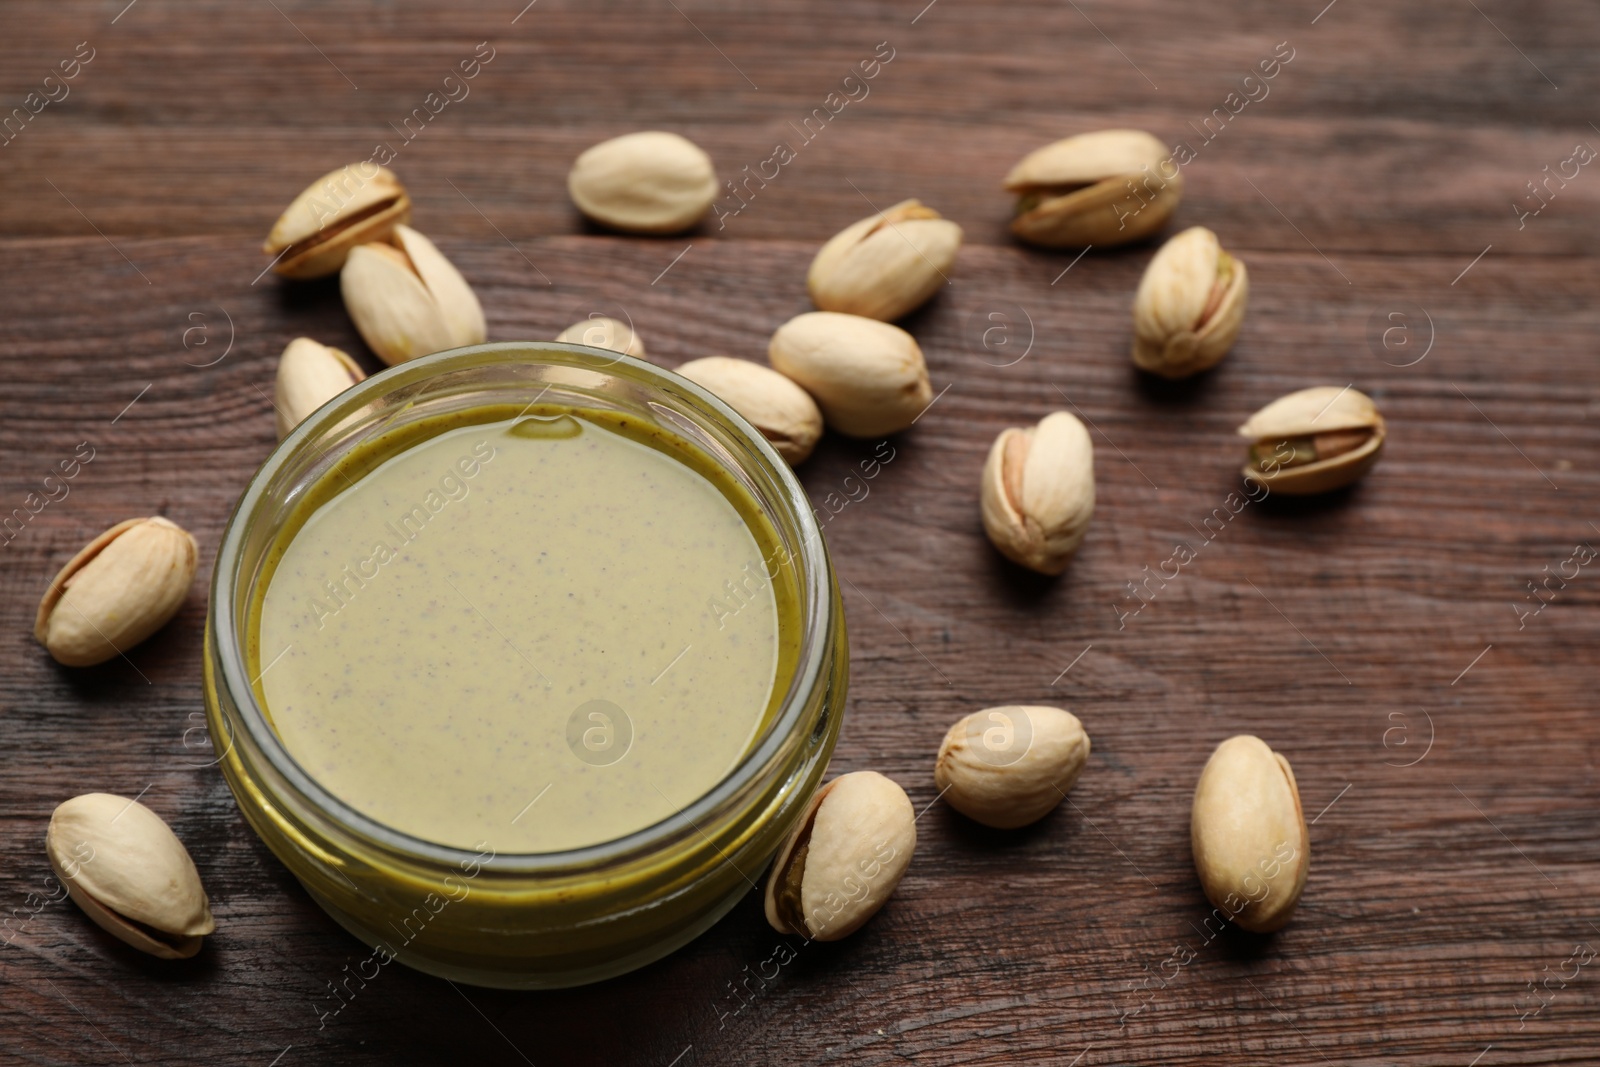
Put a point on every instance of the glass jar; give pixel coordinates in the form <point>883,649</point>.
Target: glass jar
<point>532,920</point>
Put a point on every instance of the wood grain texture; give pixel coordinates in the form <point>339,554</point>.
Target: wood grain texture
<point>1378,638</point>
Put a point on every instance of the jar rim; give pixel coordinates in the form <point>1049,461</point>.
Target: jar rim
<point>782,735</point>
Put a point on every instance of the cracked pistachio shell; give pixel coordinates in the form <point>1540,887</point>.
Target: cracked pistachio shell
<point>1189,307</point>
<point>407,300</point>
<point>1104,188</point>
<point>1038,492</point>
<point>868,377</point>
<point>652,182</point>
<point>310,375</point>
<point>1009,766</point>
<point>1323,409</point>
<point>118,590</point>
<point>351,206</point>
<point>844,858</point>
<point>887,264</point>
<point>1251,846</point>
<point>130,874</point>
<point>783,412</point>
<point>597,331</point>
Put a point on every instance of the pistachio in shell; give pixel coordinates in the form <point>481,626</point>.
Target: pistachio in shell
<point>1104,188</point>
<point>844,858</point>
<point>598,331</point>
<point>868,377</point>
<point>351,206</point>
<point>1252,849</point>
<point>408,300</point>
<point>118,590</point>
<point>887,264</point>
<point>1314,440</point>
<point>1189,307</point>
<point>783,412</point>
<point>1009,766</point>
<point>649,182</point>
<point>1037,494</point>
<point>310,375</point>
<point>130,874</point>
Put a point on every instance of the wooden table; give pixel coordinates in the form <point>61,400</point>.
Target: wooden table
<point>1437,713</point>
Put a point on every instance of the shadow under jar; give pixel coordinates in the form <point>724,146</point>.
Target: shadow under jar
<point>524,658</point>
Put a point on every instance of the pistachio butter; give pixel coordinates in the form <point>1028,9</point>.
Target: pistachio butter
<point>538,630</point>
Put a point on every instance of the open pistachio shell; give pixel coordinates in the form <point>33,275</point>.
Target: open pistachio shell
<point>1103,188</point>
<point>1038,492</point>
<point>1252,849</point>
<point>130,874</point>
<point>407,300</point>
<point>843,859</point>
<point>1189,306</point>
<point>1323,409</point>
<point>310,375</point>
<point>887,264</point>
<point>118,590</point>
<point>351,206</point>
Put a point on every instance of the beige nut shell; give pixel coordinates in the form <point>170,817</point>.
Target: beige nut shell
<point>1103,188</point>
<point>868,377</point>
<point>309,375</point>
<point>854,841</point>
<point>351,206</point>
<point>1320,409</point>
<point>1009,766</point>
<point>408,300</point>
<point>1037,493</point>
<point>783,412</point>
<point>887,264</point>
<point>118,590</point>
<point>598,331</point>
<point>649,182</point>
<point>1252,849</point>
<point>129,873</point>
<point>1177,290</point>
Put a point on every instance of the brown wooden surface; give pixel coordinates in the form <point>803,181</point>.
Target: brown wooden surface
<point>1387,155</point>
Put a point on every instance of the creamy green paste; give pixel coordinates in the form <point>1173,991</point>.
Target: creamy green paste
<point>538,633</point>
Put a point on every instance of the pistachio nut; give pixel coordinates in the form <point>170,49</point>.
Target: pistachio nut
<point>869,377</point>
<point>118,590</point>
<point>597,331</point>
<point>1251,846</point>
<point>844,858</point>
<point>130,874</point>
<point>351,206</point>
<point>1009,766</point>
<point>1314,440</point>
<point>1189,307</point>
<point>783,412</point>
<point>886,264</point>
<point>310,375</point>
<point>1038,492</point>
<point>652,182</point>
<point>408,300</point>
<point>1104,188</point>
